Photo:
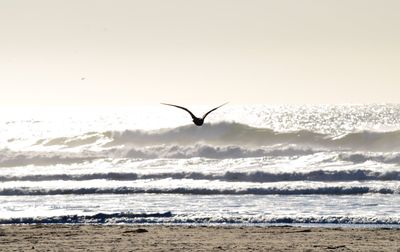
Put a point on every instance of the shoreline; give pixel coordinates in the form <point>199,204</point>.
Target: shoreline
<point>88,237</point>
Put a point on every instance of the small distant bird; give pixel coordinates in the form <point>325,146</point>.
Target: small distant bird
<point>196,120</point>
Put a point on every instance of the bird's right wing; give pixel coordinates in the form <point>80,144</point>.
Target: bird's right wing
<point>187,110</point>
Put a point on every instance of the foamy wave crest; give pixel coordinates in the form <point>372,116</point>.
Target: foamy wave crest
<point>223,133</point>
<point>208,151</point>
<point>12,159</point>
<point>257,176</point>
<point>96,218</point>
<point>386,158</point>
<point>76,141</point>
<point>325,190</point>
<point>266,219</point>
<point>230,133</point>
<point>170,218</point>
<point>231,151</point>
<point>370,140</point>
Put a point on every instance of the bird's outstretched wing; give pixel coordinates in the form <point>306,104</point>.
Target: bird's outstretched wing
<point>206,114</point>
<point>191,114</point>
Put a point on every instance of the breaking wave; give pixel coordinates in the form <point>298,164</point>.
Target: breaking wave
<point>96,218</point>
<point>231,133</point>
<point>10,158</point>
<point>317,190</point>
<point>170,218</point>
<point>230,176</point>
<point>208,151</point>
<point>265,219</point>
<point>385,158</point>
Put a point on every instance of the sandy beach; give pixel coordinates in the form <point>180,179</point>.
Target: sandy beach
<point>194,238</point>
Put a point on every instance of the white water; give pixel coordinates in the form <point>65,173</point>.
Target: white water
<point>247,164</point>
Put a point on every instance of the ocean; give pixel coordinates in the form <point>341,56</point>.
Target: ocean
<point>247,165</point>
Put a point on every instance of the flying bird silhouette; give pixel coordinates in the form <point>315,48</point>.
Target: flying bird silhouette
<point>196,120</point>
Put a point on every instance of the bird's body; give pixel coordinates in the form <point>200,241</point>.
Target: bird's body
<point>196,120</point>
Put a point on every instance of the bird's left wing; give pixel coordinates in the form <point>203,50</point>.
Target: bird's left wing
<point>206,114</point>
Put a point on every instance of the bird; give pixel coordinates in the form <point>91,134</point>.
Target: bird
<point>196,120</point>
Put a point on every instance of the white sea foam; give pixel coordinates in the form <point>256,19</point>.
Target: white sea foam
<point>232,176</point>
<point>241,153</point>
<point>191,186</point>
<point>202,209</point>
<point>228,133</point>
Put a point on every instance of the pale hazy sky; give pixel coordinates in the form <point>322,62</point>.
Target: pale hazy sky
<point>114,52</point>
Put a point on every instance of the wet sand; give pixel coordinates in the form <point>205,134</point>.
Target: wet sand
<point>194,238</point>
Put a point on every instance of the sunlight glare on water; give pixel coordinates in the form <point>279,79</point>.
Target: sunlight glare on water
<point>246,164</point>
